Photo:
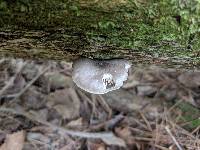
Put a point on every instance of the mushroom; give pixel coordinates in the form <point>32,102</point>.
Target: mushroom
<point>100,76</point>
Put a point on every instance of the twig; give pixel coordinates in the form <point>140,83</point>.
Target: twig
<point>195,130</point>
<point>38,142</point>
<point>176,104</point>
<point>12,79</point>
<point>161,147</point>
<point>146,121</point>
<point>158,129</point>
<point>189,122</point>
<point>105,105</point>
<point>173,138</point>
<point>139,123</point>
<point>82,95</point>
<point>142,132</point>
<point>183,131</point>
<point>107,137</point>
<point>2,60</point>
<point>109,124</point>
<point>8,84</point>
<point>31,82</point>
<point>143,139</point>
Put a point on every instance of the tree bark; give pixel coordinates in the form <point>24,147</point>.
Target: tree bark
<point>141,31</point>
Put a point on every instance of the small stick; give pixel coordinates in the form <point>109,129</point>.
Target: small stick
<point>31,82</point>
<point>185,132</point>
<point>161,147</point>
<point>12,79</point>
<point>143,139</point>
<point>176,104</point>
<point>146,121</point>
<point>196,129</point>
<point>173,138</point>
<point>139,123</point>
<point>2,60</point>
<point>108,137</point>
<point>105,105</point>
<point>145,133</point>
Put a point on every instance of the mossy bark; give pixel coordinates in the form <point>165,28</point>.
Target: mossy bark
<point>146,32</point>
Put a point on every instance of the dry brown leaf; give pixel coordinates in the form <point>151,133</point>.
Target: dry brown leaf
<point>33,99</point>
<point>14,141</point>
<point>146,90</point>
<point>58,80</point>
<point>95,145</point>
<point>66,102</point>
<point>125,134</point>
<point>190,79</point>
<point>75,123</point>
<point>71,145</point>
<point>123,101</point>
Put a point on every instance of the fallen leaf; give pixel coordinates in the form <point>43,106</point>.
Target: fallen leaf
<point>95,145</point>
<point>123,101</point>
<point>14,141</point>
<point>75,123</point>
<point>38,137</point>
<point>146,90</point>
<point>126,135</point>
<point>57,80</point>
<point>30,71</point>
<point>190,79</point>
<point>65,102</point>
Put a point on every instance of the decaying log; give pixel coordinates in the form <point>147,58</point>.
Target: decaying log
<point>145,32</point>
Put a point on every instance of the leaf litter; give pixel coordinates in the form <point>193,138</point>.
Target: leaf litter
<point>41,109</point>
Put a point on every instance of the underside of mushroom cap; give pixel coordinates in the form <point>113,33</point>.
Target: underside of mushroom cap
<point>100,76</point>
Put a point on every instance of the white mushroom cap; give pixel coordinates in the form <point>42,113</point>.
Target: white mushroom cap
<point>100,76</point>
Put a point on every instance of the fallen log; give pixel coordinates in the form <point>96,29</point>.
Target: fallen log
<point>141,31</point>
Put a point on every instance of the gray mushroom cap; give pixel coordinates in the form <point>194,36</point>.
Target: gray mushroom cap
<point>100,76</point>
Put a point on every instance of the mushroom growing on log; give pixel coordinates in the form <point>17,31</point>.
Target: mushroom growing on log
<point>100,76</point>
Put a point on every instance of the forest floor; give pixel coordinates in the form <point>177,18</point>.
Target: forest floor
<point>42,109</point>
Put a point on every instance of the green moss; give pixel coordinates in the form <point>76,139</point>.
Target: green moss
<point>190,116</point>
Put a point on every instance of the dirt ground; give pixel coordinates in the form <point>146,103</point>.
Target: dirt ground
<point>42,109</point>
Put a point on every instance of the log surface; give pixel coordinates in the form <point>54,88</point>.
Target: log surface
<point>145,32</point>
